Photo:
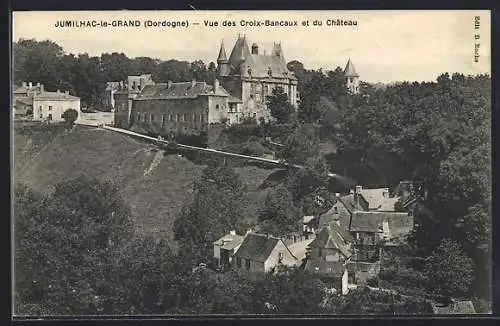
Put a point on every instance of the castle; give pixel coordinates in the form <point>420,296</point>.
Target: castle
<point>243,82</point>
<point>251,76</point>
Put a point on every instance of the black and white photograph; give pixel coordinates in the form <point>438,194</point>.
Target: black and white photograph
<point>251,163</point>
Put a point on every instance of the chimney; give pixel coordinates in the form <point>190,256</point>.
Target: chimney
<point>358,189</point>
<point>232,232</point>
<point>30,85</point>
<point>193,83</point>
<point>169,84</point>
<point>37,84</point>
<point>66,92</point>
<point>337,194</point>
<point>41,88</point>
<point>216,85</point>
<point>25,84</point>
<point>58,91</point>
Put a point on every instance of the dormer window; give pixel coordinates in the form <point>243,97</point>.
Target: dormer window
<point>269,71</point>
<point>249,71</point>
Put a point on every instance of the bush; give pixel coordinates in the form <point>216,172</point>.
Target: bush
<point>70,117</point>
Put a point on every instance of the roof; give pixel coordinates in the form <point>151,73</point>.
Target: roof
<point>222,53</point>
<point>25,100</point>
<point>308,218</point>
<point>299,249</point>
<point>234,99</point>
<point>349,70</point>
<point>257,247</point>
<point>351,205</point>
<point>258,64</point>
<point>459,307</point>
<point>229,241</point>
<point>25,89</point>
<point>113,85</point>
<point>179,90</point>
<point>55,96</point>
<point>326,268</point>
<point>375,197</point>
<point>334,237</point>
<point>399,223</point>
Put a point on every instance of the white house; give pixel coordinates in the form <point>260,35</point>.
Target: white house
<point>50,106</point>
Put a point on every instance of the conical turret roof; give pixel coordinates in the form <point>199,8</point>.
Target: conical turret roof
<point>349,70</point>
<point>222,53</point>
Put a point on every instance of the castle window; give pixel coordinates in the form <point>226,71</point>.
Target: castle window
<point>138,117</point>
<point>247,263</point>
<point>217,106</point>
<point>185,117</point>
<point>177,117</point>
<point>320,253</point>
<point>269,72</point>
<point>152,117</point>
<point>50,107</point>
<point>170,117</point>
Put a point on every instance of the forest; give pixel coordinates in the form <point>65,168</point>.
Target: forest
<point>435,133</point>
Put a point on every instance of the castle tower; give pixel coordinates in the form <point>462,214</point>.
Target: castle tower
<point>222,62</point>
<point>352,78</point>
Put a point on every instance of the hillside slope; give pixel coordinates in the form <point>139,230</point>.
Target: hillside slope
<point>156,186</point>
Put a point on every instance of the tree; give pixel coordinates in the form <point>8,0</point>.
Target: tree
<point>449,270</point>
<point>279,215</point>
<point>302,144</point>
<point>66,245</point>
<point>280,107</point>
<point>144,279</point>
<point>291,291</point>
<point>70,117</point>
<point>215,210</point>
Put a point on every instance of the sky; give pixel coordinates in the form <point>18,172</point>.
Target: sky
<point>384,46</point>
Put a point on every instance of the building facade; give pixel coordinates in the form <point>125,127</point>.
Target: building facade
<point>250,76</point>
<point>50,106</point>
<point>260,254</point>
<point>187,108</point>
<point>124,96</point>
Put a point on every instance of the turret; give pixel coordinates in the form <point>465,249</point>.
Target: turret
<point>222,62</point>
<point>352,78</point>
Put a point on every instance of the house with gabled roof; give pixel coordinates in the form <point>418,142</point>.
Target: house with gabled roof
<point>224,249</point>
<point>261,253</point>
<point>329,254</point>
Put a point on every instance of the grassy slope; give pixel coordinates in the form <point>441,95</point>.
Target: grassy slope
<point>156,198</point>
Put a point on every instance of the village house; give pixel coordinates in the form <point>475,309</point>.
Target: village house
<point>50,106</point>
<point>329,254</point>
<point>261,253</point>
<point>250,76</point>
<point>224,249</point>
<point>22,100</point>
<point>34,102</point>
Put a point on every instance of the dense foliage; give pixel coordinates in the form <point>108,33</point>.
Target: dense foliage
<point>216,209</point>
<point>86,76</point>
